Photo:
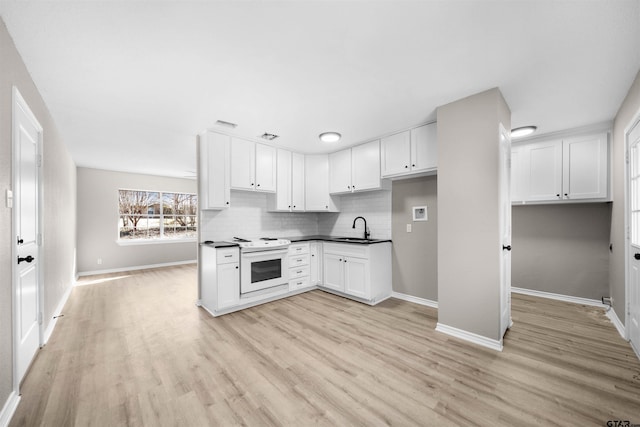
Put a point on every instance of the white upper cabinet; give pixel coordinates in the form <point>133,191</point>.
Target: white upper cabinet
<point>365,166</point>
<point>289,195</point>
<point>253,166</point>
<point>283,181</point>
<point>316,172</point>
<point>214,175</point>
<point>243,164</point>
<point>355,169</point>
<point>410,152</point>
<point>544,171</point>
<point>424,148</point>
<point>265,168</point>
<point>340,171</point>
<point>297,182</point>
<point>585,167</point>
<point>561,170</point>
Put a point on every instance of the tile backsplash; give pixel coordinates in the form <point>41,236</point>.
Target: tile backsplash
<point>374,206</point>
<point>248,217</point>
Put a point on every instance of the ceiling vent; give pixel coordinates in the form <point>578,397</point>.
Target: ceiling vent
<point>224,124</point>
<point>268,136</point>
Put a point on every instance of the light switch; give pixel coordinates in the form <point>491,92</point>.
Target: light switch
<point>408,228</point>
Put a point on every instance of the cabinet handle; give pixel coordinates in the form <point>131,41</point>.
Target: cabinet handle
<point>636,256</point>
<point>566,195</point>
<point>326,207</point>
<point>294,206</point>
<point>236,267</point>
<point>340,260</point>
<point>349,187</point>
<point>406,166</point>
<point>228,256</point>
<point>413,166</point>
<point>345,260</point>
<point>557,195</point>
<point>354,187</point>
<point>257,185</point>
<point>299,271</point>
<point>227,202</point>
<point>289,206</point>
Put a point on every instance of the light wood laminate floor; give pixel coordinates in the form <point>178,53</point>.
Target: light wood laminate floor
<point>132,349</point>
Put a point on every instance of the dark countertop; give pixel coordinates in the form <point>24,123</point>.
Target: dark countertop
<point>336,239</point>
<point>219,244</point>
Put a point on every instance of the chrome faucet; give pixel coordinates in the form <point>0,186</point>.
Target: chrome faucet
<point>366,233</point>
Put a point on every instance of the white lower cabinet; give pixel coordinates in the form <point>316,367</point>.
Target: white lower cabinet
<point>219,277</point>
<point>299,266</point>
<point>360,271</point>
<point>315,263</point>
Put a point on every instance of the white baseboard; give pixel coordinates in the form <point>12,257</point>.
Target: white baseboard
<point>57,311</point>
<point>559,297</point>
<point>611,314</point>
<point>416,300</point>
<point>137,267</point>
<point>470,336</point>
<point>9,409</point>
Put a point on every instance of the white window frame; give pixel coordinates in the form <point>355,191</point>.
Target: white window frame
<point>161,216</point>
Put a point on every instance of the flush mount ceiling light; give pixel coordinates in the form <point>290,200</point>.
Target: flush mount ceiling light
<point>268,136</point>
<point>330,137</point>
<point>225,124</point>
<point>522,131</point>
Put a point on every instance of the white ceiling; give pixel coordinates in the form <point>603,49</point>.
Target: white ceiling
<point>130,84</point>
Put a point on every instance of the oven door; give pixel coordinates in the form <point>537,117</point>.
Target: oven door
<point>263,269</point>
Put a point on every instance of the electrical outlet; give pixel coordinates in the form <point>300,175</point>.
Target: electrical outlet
<point>408,228</point>
<point>99,261</point>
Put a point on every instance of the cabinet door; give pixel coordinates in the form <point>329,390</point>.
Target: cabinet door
<point>228,285</point>
<point>333,271</point>
<point>424,148</point>
<point>314,263</point>
<point>544,171</point>
<point>365,166</point>
<point>316,171</point>
<point>297,182</point>
<point>355,277</point>
<point>340,172</point>
<point>283,180</point>
<point>518,183</point>
<point>585,167</point>
<point>214,173</point>
<point>395,154</point>
<point>243,164</point>
<point>265,168</point>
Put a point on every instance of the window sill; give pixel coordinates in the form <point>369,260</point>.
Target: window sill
<point>136,242</point>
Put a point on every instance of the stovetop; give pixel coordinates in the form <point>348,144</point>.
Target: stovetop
<point>262,243</point>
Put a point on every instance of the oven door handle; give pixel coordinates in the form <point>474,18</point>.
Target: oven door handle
<point>257,254</point>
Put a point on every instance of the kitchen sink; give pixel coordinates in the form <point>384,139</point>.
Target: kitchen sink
<point>353,240</point>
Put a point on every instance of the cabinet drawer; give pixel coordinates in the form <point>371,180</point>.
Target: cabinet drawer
<point>224,256</point>
<point>295,261</point>
<point>295,273</point>
<point>302,282</point>
<point>299,248</point>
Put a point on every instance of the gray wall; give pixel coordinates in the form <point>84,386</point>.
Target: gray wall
<point>98,221</point>
<point>468,213</point>
<point>59,187</point>
<point>630,106</point>
<point>415,254</point>
<point>562,249</point>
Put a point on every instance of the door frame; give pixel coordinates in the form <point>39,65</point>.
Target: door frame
<point>635,121</point>
<point>19,102</point>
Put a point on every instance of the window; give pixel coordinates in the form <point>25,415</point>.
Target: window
<point>156,215</point>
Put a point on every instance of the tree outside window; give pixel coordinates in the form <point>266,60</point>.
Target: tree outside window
<point>157,215</point>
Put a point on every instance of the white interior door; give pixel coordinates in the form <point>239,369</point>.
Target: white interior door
<point>505,231</point>
<point>27,134</point>
<point>633,285</point>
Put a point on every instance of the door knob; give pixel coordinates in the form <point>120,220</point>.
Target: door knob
<point>29,258</point>
<point>508,247</point>
<point>636,255</point>
<point>20,241</point>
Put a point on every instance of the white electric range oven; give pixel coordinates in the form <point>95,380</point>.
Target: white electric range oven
<point>263,264</point>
